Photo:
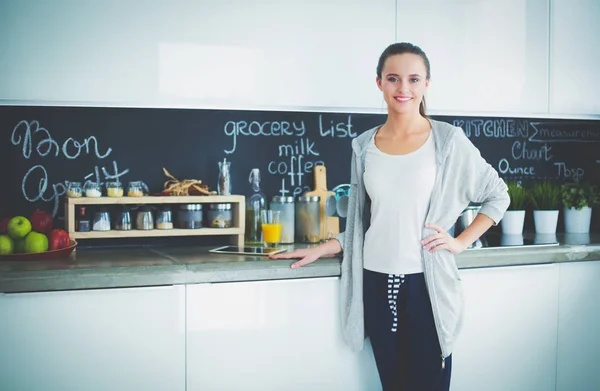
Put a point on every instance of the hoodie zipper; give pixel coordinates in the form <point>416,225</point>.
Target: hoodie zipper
<point>429,266</point>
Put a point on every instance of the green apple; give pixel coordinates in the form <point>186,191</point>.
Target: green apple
<point>36,242</point>
<point>18,227</point>
<point>6,245</point>
<point>19,246</point>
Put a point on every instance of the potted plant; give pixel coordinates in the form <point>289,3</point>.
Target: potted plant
<point>578,200</point>
<point>514,217</point>
<point>545,198</point>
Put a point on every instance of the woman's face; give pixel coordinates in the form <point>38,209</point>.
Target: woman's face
<point>403,82</point>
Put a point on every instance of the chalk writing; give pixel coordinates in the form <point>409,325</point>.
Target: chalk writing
<point>36,184</point>
<point>23,134</point>
<point>564,132</point>
<point>336,129</point>
<point>52,193</point>
<point>565,172</point>
<point>234,129</point>
<point>497,128</point>
<point>521,151</point>
<point>505,168</point>
<point>300,147</point>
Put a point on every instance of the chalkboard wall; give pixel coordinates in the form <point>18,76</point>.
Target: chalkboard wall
<point>42,147</point>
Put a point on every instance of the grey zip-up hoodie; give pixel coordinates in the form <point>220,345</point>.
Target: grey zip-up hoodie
<point>462,176</point>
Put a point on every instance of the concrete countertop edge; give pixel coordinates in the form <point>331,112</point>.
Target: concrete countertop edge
<point>179,272</point>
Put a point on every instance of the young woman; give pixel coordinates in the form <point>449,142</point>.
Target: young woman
<point>410,179</point>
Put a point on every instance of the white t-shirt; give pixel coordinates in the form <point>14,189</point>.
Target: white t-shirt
<point>400,187</point>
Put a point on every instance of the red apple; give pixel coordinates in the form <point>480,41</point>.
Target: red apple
<point>41,221</point>
<point>4,225</point>
<point>57,239</point>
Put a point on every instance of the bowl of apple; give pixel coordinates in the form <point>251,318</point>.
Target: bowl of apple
<point>22,240</point>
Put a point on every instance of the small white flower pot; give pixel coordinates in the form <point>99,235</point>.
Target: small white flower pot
<point>578,221</point>
<point>545,221</point>
<point>512,222</point>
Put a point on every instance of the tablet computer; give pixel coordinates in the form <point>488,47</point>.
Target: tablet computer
<point>247,250</point>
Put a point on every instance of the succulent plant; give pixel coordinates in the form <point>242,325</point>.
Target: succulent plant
<point>579,195</point>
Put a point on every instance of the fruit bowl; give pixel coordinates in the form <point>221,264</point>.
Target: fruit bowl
<point>50,254</point>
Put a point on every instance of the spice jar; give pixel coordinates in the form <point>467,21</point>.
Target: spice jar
<point>164,218</point>
<point>137,189</point>
<point>92,189</point>
<point>307,219</point>
<point>189,216</point>
<point>285,205</point>
<point>144,219</point>
<point>123,220</point>
<point>114,189</point>
<point>82,220</point>
<point>74,189</point>
<point>219,216</point>
<point>101,220</point>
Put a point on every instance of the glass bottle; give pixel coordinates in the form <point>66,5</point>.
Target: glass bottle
<point>82,221</point>
<point>255,204</point>
<point>224,185</point>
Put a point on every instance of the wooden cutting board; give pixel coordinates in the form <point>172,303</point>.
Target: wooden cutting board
<point>330,225</point>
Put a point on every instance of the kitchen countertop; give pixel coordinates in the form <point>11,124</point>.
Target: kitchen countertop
<point>90,268</point>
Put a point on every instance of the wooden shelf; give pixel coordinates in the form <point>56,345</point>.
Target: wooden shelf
<point>134,233</point>
<point>154,200</point>
<point>236,233</point>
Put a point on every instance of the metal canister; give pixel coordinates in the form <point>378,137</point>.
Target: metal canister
<point>285,205</point>
<point>219,216</point>
<point>307,219</point>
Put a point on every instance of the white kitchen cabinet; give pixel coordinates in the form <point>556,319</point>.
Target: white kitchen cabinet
<point>272,335</point>
<point>574,56</point>
<point>509,337</point>
<point>225,54</point>
<point>578,327</point>
<point>93,340</point>
<point>486,56</point>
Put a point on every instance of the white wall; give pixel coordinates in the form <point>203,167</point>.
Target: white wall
<point>287,54</point>
<point>225,54</point>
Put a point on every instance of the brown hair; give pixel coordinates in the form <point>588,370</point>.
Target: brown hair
<point>401,48</point>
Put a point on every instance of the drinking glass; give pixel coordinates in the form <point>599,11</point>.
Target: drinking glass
<point>271,227</point>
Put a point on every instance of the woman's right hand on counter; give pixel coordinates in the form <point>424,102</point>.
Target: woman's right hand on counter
<point>309,255</point>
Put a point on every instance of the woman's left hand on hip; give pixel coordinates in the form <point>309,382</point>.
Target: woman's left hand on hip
<point>441,240</point>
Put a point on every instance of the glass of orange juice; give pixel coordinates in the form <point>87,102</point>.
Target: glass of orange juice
<point>271,227</point>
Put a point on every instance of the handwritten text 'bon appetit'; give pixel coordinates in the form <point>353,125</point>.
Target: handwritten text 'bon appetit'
<point>33,139</point>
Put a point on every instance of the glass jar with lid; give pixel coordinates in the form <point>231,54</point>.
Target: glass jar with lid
<point>189,216</point>
<point>285,205</point>
<point>219,216</point>
<point>74,189</point>
<point>122,220</point>
<point>101,220</point>
<point>137,189</point>
<point>164,218</point>
<point>114,189</point>
<point>92,189</point>
<point>308,219</point>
